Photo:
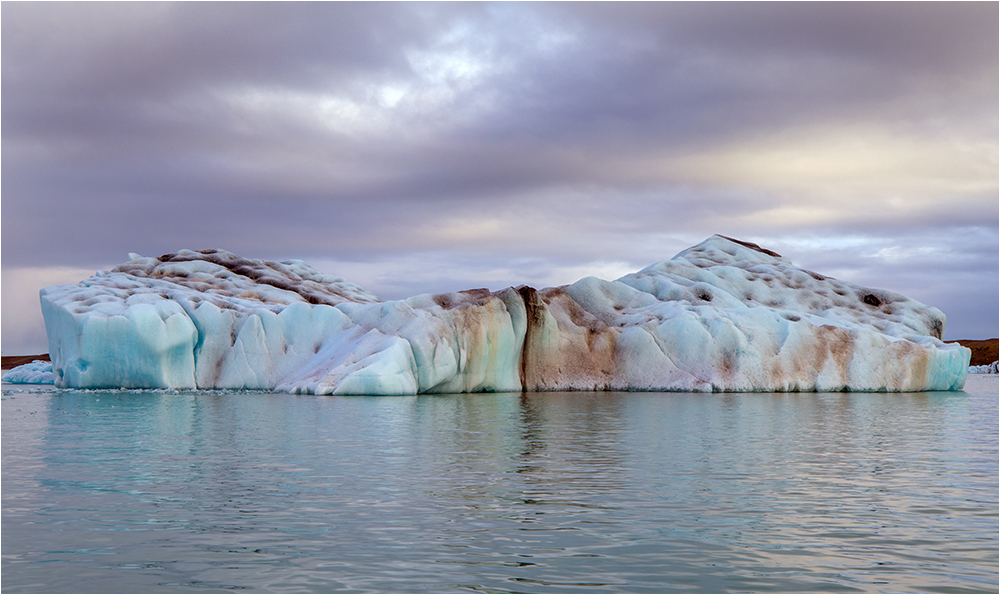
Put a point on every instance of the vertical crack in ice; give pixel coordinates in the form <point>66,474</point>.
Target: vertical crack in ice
<point>534,308</point>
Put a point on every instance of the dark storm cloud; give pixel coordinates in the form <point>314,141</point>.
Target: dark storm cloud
<point>686,69</point>
<point>107,50</point>
<point>503,133</point>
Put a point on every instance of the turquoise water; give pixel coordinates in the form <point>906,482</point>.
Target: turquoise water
<point>541,492</point>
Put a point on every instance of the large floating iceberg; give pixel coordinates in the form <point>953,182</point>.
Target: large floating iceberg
<point>724,315</point>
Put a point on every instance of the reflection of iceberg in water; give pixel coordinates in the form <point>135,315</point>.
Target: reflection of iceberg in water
<point>139,434</point>
<point>27,416</point>
<point>516,458</point>
<point>724,315</point>
<point>484,490</point>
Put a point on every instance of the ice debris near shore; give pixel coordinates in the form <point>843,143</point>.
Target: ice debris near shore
<point>37,372</point>
<point>724,315</point>
<point>985,369</point>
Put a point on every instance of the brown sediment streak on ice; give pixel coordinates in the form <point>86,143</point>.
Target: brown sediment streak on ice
<point>575,351</point>
<point>584,354</point>
<point>828,344</point>
<point>839,343</point>
<point>535,316</point>
<point>752,246</point>
<point>256,270</point>
<point>449,301</point>
<point>917,359</point>
<point>836,344</point>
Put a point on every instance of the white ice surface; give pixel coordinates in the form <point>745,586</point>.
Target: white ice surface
<point>721,316</point>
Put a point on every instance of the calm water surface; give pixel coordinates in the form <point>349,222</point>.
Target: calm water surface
<point>541,492</point>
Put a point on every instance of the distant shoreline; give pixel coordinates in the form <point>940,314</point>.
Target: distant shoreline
<point>984,352</point>
<point>8,362</point>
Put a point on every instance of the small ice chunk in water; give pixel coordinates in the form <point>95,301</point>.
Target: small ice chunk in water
<point>37,372</point>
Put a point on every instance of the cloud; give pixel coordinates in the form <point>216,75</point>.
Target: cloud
<point>558,135</point>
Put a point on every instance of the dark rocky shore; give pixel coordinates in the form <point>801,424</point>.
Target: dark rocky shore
<point>984,352</point>
<point>8,362</point>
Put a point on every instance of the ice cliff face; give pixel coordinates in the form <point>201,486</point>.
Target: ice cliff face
<point>723,315</point>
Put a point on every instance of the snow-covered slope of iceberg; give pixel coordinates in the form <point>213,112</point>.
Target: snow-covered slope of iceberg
<point>724,315</point>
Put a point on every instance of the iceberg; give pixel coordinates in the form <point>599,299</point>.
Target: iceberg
<point>724,315</point>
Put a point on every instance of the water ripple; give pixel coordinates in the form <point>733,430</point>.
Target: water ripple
<point>121,491</point>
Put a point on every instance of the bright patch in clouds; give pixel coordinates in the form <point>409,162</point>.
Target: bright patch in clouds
<point>23,329</point>
<point>849,163</point>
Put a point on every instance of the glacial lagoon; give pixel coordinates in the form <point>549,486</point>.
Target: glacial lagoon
<point>171,491</point>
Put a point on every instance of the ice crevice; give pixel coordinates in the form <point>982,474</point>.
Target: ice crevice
<point>724,315</point>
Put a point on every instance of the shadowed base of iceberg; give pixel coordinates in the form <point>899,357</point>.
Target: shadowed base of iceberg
<point>42,374</point>
<point>724,315</point>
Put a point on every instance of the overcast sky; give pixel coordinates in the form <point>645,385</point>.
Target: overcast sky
<point>413,147</point>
